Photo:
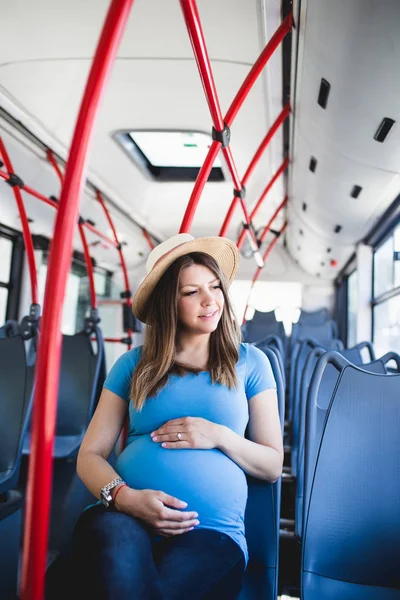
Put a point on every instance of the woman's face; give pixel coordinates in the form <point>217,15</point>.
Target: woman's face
<point>200,299</point>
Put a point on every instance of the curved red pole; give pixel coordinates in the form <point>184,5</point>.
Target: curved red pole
<point>258,66</point>
<point>193,24</point>
<point>257,273</point>
<point>279,172</point>
<point>148,238</point>
<point>100,199</point>
<point>272,219</point>
<point>86,253</point>
<point>89,267</point>
<point>255,160</point>
<point>48,365</point>
<point>26,233</point>
<point>199,186</point>
<point>55,165</point>
<point>51,202</point>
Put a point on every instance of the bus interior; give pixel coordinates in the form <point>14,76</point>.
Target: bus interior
<point>274,123</point>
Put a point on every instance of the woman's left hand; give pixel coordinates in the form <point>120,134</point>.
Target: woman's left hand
<point>188,432</point>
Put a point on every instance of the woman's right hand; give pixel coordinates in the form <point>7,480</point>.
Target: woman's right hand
<point>162,512</point>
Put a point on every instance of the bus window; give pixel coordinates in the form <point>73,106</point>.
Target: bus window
<point>383,268</point>
<point>387,326</point>
<point>352,309</point>
<point>6,246</point>
<point>386,301</point>
<point>283,297</point>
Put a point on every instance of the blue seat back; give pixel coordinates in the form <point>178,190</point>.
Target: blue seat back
<point>15,405</point>
<point>298,358</point>
<point>262,520</point>
<point>352,521</point>
<point>323,333</point>
<point>261,325</point>
<point>9,329</point>
<point>325,392</point>
<point>78,391</point>
<point>275,343</point>
<point>316,317</point>
<point>354,354</point>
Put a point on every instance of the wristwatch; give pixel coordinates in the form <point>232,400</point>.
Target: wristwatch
<point>105,495</point>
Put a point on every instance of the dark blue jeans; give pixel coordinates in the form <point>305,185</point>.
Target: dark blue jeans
<point>117,556</point>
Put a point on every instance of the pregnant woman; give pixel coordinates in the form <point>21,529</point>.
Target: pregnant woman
<point>170,521</point>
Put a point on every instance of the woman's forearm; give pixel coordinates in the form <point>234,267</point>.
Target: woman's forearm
<point>262,462</point>
<point>95,471</point>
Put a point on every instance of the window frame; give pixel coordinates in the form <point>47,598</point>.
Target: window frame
<point>13,286</point>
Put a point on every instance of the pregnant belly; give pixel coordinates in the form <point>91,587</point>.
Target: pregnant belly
<point>210,482</point>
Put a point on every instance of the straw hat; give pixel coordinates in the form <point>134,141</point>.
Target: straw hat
<point>224,251</point>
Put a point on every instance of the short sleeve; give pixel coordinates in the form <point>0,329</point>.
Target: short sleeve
<point>119,378</point>
<point>259,375</point>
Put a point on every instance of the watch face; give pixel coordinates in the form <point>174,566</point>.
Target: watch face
<point>106,498</point>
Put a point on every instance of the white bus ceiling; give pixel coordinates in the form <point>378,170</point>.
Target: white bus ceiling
<point>46,49</point>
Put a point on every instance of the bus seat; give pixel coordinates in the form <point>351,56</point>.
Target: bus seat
<point>325,392</point>
<point>9,329</point>
<point>299,355</point>
<point>316,317</point>
<point>77,392</point>
<point>275,343</point>
<point>351,527</point>
<point>324,332</point>
<point>261,325</point>
<point>262,520</point>
<point>15,406</point>
<point>354,354</point>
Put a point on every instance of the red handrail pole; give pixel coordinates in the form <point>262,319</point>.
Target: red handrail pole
<point>93,229</point>
<point>89,267</point>
<point>272,219</point>
<point>279,172</point>
<point>199,186</point>
<point>48,366</point>
<point>148,238</point>
<point>257,68</point>
<point>39,196</point>
<point>100,199</point>
<point>255,160</point>
<point>128,301</point>
<point>193,24</point>
<point>259,269</point>
<point>86,253</point>
<point>51,202</point>
<point>26,233</point>
<point>55,165</point>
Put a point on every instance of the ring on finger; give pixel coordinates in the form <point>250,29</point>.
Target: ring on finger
<point>179,436</point>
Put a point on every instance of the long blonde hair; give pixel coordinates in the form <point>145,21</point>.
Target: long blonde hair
<point>157,361</point>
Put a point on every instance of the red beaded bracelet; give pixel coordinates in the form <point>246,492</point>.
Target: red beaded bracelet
<point>118,490</point>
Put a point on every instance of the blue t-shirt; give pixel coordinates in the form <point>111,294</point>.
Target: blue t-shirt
<point>208,480</point>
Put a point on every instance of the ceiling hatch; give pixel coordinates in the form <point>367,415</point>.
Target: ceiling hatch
<point>169,155</point>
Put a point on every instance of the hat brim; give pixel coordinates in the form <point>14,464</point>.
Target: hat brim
<point>223,250</point>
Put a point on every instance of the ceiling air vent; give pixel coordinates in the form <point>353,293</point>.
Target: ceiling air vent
<point>324,90</point>
<point>356,191</point>
<point>304,206</point>
<point>383,129</point>
<point>313,164</point>
<point>338,229</point>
